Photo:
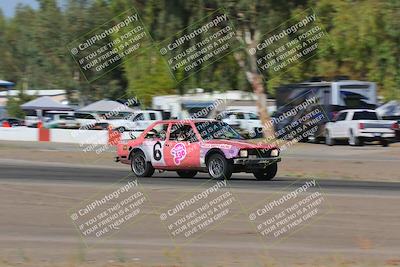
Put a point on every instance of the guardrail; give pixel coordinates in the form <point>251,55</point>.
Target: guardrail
<point>62,135</point>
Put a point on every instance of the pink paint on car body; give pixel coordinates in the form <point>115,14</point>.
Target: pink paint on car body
<point>187,146</point>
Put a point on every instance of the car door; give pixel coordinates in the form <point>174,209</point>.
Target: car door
<point>182,149</point>
<point>154,142</point>
<point>348,124</point>
<point>340,126</point>
<point>242,120</point>
<point>136,122</point>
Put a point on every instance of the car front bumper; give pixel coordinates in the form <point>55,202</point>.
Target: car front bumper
<point>122,159</point>
<point>256,161</point>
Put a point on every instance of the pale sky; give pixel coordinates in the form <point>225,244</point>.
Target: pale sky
<point>8,6</point>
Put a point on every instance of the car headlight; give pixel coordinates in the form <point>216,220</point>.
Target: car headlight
<point>243,153</point>
<point>274,152</point>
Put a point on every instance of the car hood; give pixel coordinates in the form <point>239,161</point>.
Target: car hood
<point>241,144</point>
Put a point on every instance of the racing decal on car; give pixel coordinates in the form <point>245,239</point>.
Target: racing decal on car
<point>179,153</point>
<point>222,146</point>
<point>154,152</point>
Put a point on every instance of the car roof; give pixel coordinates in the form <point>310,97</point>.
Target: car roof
<point>357,110</point>
<point>240,110</point>
<point>58,111</point>
<point>10,118</point>
<point>145,111</point>
<point>185,120</point>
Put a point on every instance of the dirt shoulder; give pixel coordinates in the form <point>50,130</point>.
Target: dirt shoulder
<point>372,163</point>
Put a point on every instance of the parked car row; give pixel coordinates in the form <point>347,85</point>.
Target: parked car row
<point>136,121</point>
<point>11,122</point>
<point>356,126</point>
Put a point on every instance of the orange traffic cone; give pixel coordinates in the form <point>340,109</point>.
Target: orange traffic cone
<point>6,124</point>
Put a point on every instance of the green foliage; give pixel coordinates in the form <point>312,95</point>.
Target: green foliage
<point>364,43</point>
<point>13,106</point>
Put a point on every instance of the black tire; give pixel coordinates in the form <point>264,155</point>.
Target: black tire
<point>384,143</point>
<point>186,173</point>
<point>219,167</point>
<point>328,139</point>
<point>266,174</point>
<point>140,167</point>
<point>354,140</point>
<point>121,129</point>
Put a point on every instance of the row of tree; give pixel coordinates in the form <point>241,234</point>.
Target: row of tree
<point>364,43</point>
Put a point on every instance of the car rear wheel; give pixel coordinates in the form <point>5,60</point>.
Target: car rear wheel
<point>354,140</point>
<point>384,142</point>
<point>186,173</point>
<point>266,174</point>
<point>328,139</point>
<point>219,167</point>
<point>121,129</point>
<point>139,165</point>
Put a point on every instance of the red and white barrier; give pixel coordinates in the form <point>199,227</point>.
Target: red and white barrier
<point>82,137</point>
<point>19,134</point>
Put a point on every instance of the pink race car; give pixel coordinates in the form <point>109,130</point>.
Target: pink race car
<point>191,146</point>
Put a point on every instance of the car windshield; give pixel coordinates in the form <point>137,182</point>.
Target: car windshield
<point>118,116</point>
<point>138,117</point>
<point>67,117</point>
<point>253,116</point>
<point>216,130</point>
<point>365,115</point>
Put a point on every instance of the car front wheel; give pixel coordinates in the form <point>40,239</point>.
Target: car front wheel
<point>139,165</point>
<point>219,167</point>
<point>266,174</point>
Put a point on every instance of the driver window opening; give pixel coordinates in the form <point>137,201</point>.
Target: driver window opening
<point>182,133</point>
<point>159,131</point>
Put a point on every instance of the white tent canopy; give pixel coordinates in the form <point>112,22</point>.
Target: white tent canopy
<point>45,103</point>
<point>106,106</point>
<point>6,83</point>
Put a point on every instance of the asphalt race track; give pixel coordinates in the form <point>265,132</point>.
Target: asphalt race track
<point>35,197</point>
<point>10,170</point>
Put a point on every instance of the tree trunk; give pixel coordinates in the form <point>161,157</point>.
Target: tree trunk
<point>255,79</point>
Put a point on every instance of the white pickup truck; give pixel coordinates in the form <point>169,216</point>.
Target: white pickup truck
<point>137,121</point>
<point>247,123</point>
<point>359,126</point>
